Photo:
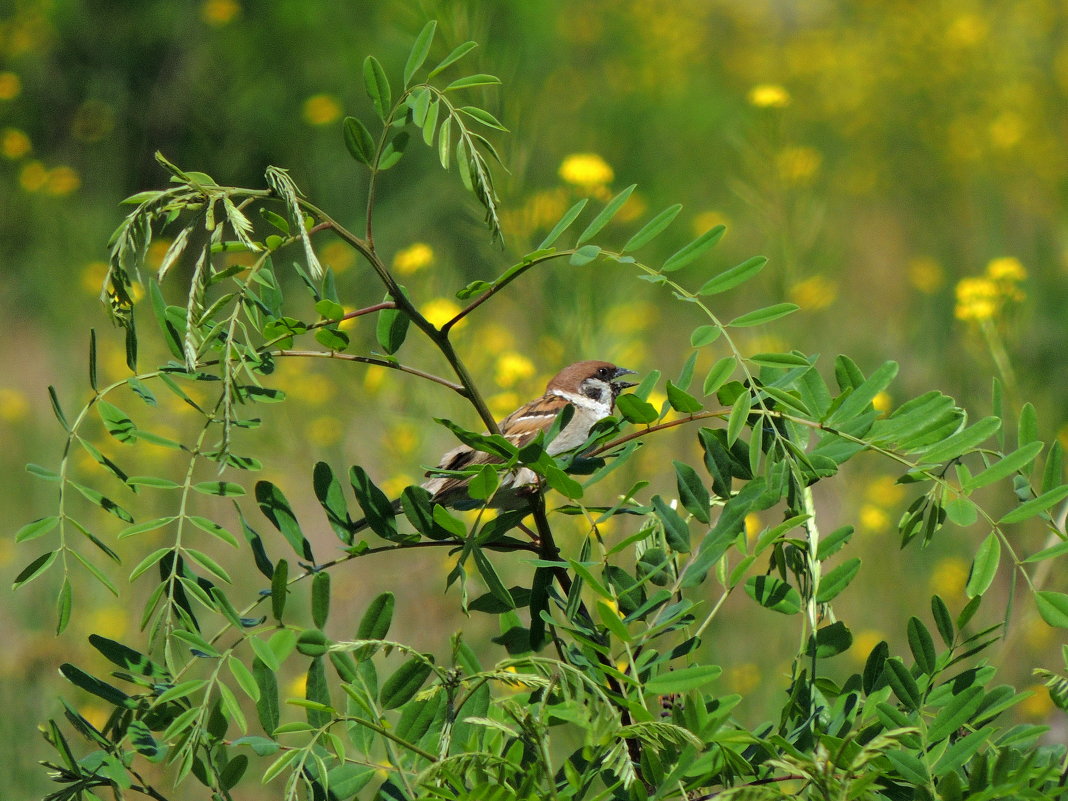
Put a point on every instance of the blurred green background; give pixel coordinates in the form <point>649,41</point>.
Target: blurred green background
<point>904,166</point>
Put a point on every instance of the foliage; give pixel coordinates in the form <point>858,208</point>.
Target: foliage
<point>602,692</point>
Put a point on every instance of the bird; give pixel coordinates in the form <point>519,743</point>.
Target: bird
<point>589,387</point>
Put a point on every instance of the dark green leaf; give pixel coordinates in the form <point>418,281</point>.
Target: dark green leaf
<point>279,589</point>
<point>694,249</point>
<point>393,152</point>
<point>328,491</point>
<point>91,684</point>
<point>1018,460</point>
<point>636,410</point>
<point>692,492</point>
<point>676,532</point>
<point>312,642</point>
<point>682,680</point>
<point>1035,505</point>
<point>830,641</point>
<point>738,417</point>
<point>320,598</point>
<point>56,408</point>
<point>399,688</point>
<point>955,714</point>
<point>267,705</point>
<point>953,446</point>
<point>728,279</point>
<point>276,508</point>
<point>902,683</point>
<point>921,645</point>
<point>223,489</point>
<point>943,620</point>
<point>380,514</point>
<point>375,623</point>
<point>483,116</point>
<point>34,569</point>
<point>116,422</point>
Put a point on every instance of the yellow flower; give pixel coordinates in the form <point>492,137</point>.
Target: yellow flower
<point>338,256</point>
<point>439,311</point>
<point>297,686</point>
<point>1006,268</point>
<point>1007,129</point>
<point>93,276</point>
<point>325,431</point>
<point>109,621</point>
<point>586,170</point>
<point>321,109</point>
<point>401,439</point>
<point>219,12</point>
<point>884,491</point>
<point>967,30</point>
<point>13,405</point>
<point>798,164</point>
<point>62,181</point>
<point>33,176</point>
<point>14,144</point>
<point>10,86</point>
<point>512,368</point>
<point>926,274</point>
<point>873,519</point>
<point>949,576</point>
<point>743,678</point>
<point>707,220</point>
<point>1038,706</point>
<point>814,293</point>
<point>413,258</point>
<point>768,95</point>
<point>882,401</point>
<point>313,388</point>
<point>753,526</point>
<point>395,485</point>
<point>863,642</point>
<point>977,299</point>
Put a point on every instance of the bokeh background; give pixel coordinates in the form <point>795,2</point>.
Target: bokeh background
<point>904,166</point>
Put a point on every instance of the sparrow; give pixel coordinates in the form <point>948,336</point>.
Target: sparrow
<point>590,387</point>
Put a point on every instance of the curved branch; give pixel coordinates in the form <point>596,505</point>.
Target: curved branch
<point>333,354</point>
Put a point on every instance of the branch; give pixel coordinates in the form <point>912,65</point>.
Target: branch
<point>333,354</point>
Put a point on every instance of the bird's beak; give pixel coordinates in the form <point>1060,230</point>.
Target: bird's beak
<point>619,386</point>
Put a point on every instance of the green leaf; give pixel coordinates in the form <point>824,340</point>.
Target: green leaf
<point>330,496</point>
<point>719,373</point>
<point>692,491</point>
<point>320,599</point>
<point>64,603</point>
<point>484,483</point>
<point>563,224</point>
<point>391,329</point>
<point>837,580</point>
<point>1051,552</point>
<point>57,410</point>
<point>704,335</point>
<point>419,51</point>
<point>380,514</point>
<point>830,641</point>
<point>1013,462</point>
<point>984,566</point>
<point>358,141</point>
<point>453,57</point>
<point>652,229</point>
<point>479,79</point>
<point>244,678</point>
<point>276,508</point>
<point>116,422</point>
<point>636,410</point>
<point>773,593</point>
<point>728,279</point>
<point>493,581</point>
<point>376,620</point>
<point>91,684</point>
<point>765,315</point>
<point>858,401</point>
<point>37,528</point>
<point>921,645</point>
<point>955,714</point>
<point>738,417</point>
<point>402,686</point>
<point>584,255</point>
<point>1053,606</point>
<point>607,213</point>
<point>779,360</point>
<point>34,569</point>
<point>676,532</point>
<point>902,683</point>
<point>682,401</point>
<point>223,489</point>
<point>1035,505</point>
<point>204,524</point>
<point>152,481</point>
<point>964,440</point>
<point>376,84</point>
<point>279,589</point>
<point>943,620</point>
<point>682,680</point>
<point>393,151</point>
<point>694,249</point>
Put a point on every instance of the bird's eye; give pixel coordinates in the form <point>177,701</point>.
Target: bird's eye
<point>604,373</point>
